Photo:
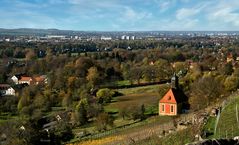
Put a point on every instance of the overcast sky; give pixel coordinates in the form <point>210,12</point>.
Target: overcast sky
<point>117,15</point>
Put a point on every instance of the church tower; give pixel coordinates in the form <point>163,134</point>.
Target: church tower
<point>174,81</point>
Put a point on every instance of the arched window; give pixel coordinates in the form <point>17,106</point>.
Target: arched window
<point>171,108</point>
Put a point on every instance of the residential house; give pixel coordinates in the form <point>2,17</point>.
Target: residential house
<point>16,78</point>
<point>40,80</point>
<point>26,80</point>
<point>7,90</point>
<point>174,101</point>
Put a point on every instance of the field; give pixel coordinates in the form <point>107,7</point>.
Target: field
<point>177,138</point>
<point>136,131</point>
<point>131,97</point>
<point>135,97</point>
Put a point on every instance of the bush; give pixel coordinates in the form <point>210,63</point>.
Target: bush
<point>104,95</point>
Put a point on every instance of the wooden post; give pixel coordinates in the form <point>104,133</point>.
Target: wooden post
<point>219,133</point>
<point>236,114</point>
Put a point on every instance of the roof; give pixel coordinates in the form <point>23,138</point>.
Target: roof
<point>25,79</point>
<point>19,75</point>
<point>174,96</point>
<point>39,79</point>
<point>4,86</point>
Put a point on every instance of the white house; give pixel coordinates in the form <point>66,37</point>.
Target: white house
<point>7,90</point>
<point>105,38</point>
<point>14,79</point>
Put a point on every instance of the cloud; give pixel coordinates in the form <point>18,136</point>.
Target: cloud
<point>132,15</point>
<point>121,15</point>
<point>95,3</point>
<point>225,13</point>
<point>185,13</point>
<point>164,5</point>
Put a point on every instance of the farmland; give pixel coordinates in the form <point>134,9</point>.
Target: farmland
<point>147,95</point>
<point>132,97</point>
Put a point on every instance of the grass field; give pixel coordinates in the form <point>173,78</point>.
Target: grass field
<point>135,97</point>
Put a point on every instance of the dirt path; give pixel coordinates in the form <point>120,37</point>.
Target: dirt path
<point>143,133</point>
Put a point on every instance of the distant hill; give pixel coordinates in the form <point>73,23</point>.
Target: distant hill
<point>36,32</point>
<point>44,32</point>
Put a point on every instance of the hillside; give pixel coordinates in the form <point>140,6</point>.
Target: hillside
<point>228,124</point>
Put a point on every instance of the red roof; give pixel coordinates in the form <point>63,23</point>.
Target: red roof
<point>174,96</point>
<point>25,79</point>
<point>39,79</point>
<point>4,86</point>
<point>168,97</point>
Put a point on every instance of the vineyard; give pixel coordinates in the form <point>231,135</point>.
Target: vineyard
<point>228,125</point>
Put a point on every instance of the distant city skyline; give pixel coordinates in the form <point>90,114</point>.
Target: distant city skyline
<point>121,15</point>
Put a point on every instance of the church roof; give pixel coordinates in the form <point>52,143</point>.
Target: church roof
<point>174,96</point>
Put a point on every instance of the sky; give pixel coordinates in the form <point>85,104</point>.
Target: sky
<point>121,15</point>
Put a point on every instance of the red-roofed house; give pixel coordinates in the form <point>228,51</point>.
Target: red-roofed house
<point>40,80</point>
<point>26,80</point>
<point>174,101</point>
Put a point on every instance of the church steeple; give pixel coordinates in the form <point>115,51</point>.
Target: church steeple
<point>174,81</point>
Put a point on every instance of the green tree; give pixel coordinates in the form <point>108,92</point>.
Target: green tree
<point>104,95</point>
<point>81,112</point>
<point>63,131</point>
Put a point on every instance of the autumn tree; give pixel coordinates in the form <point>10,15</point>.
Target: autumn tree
<point>207,88</point>
<point>82,65</point>
<point>164,69</point>
<point>67,99</point>
<point>231,83</point>
<point>103,120</point>
<point>30,54</point>
<point>227,69</point>
<point>93,76</point>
